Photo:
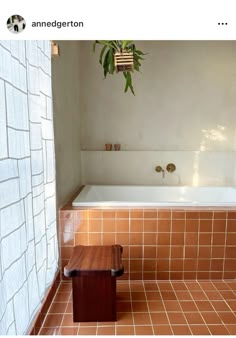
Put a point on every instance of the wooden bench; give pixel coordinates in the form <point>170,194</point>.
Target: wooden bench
<point>94,270</point>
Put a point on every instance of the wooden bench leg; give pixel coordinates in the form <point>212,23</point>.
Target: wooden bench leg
<point>94,297</point>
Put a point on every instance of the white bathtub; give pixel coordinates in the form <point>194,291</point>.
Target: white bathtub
<point>154,196</point>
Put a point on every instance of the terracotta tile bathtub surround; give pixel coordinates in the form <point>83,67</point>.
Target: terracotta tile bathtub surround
<point>158,244</point>
<point>144,308</point>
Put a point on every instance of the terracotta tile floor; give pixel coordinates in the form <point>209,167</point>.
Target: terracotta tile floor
<point>154,308</point>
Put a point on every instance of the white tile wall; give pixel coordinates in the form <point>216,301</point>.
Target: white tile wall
<point>26,271</point>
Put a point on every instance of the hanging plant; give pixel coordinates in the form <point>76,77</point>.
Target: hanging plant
<point>120,56</point>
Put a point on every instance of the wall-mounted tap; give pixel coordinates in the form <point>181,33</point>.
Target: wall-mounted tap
<point>160,170</point>
<point>170,167</point>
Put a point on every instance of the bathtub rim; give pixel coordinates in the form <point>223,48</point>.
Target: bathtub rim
<point>160,205</point>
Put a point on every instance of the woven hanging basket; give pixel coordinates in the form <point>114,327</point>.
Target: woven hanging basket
<point>124,62</point>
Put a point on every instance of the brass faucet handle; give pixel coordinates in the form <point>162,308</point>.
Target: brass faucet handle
<point>170,167</point>
<point>159,169</point>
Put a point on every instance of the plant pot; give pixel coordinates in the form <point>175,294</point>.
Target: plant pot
<point>108,146</point>
<point>117,146</point>
<point>124,62</point>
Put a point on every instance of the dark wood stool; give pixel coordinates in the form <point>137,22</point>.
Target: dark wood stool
<point>94,270</point>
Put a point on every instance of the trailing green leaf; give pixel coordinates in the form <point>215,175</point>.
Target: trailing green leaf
<point>106,58</point>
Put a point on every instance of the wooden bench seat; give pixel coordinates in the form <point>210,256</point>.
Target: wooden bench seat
<point>94,270</point>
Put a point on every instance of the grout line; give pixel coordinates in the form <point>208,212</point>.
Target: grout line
<point>148,307</point>
<point>165,309</point>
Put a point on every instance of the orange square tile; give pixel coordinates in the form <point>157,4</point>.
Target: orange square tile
<point>143,330</point>
<point>122,213</point>
<point>199,330</point>
<point>178,214</point>
<point>159,318</point>
<point>150,251</point>
<point>230,252</point>
<point>136,238</point>
<point>149,265</point>
<point>95,214</point>
<point>149,239</point>
<point>106,330</point>
<point>147,275</point>
<point>176,318</point>
<point>140,306</point>
<point>164,214</point>
<point>109,213</point>
<point>191,238</point>
<point>150,225</point>
<point>206,215</point>
<point>53,320</point>
<point>150,213</point>
<point>156,306</point>
<point>136,251</point>
<point>205,225</point>
<point>176,264</point>
<point>204,252</point>
<point>136,225</point>
<point>217,264</point>
<point>191,251</point>
<point>155,296</point>
<point>163,238</point>
<point>136,275</point>
<point>163,264</point>
<point>204,264</point>
<point>109,225</point>
<point>218,238</point>
<point>219,225</point>
<point>192,215</point>
<point>81,225</point>
<point>220,214</point>
<point>202,275</point>
<point>232,215</point>
<point>177,238</point>
<point>95,225</point>
<point>122,225</point>
<point>125,330</point>
<point>172,306</point>
<point>218,330</point>
<point>211,318</point>
<point>124,318</point>
<point>231,239</point>
<point>108,238</point>
<point>162,275</point>
<point>193,318</point>
<point>180,330</point>
<point>136,213</point>
<point>190,264</point>
<point>163,225</point>
<point>68,320</point>
<point>188,306</point>
<point>177,251</point>
<point>163,251</point>
<point>68,331</point>
<point>192,225</point>
<point>178,225</point>
<point>176,275</point>
<point>136,265</point>
<point>162,330</point>
<point>66,252</point>
<point>87,331</point>
<point>81,238</point>
<point>58,307</point>
<point>204,239</point>
<point>123,238</point>
<point>204,305</point>
<point>94,239</point>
